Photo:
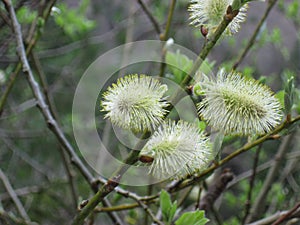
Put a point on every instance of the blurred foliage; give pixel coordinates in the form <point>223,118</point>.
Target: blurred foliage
<point>73,21</point>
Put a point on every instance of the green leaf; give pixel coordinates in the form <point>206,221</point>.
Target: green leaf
<point>25,15</point>
<point>280,96</point>
<point>179,64</point>
<point>192,218</point>
<point>167,208</point>
<point>202,125</point>
<point>172,212</point>
<point>73,20</point>
<point>217,144</point>
<point>289,91</point>
<point>165,204</point>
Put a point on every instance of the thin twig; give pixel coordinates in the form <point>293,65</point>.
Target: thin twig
<point>259,203</point>
<point>150,16</point>
<point>270,219</point>
<point>164,36</point>
<point>9,218</point>
<point>14,196</point>
<point>251,42</point>
<point>26,158</point>
<point>251,184</point>
<point>23,191</point>
<point>52,108</point>
<point>287,215</point>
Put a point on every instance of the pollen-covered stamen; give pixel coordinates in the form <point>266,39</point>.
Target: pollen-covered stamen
<point>237,105</point>
<point>177,150</point>
<point>245,105</point>
<point>135,102</point>
<point>210,13</point>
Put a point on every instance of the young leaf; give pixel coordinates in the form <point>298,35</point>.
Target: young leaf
<point>165,204</point>
<point>289,89</point>
<point>192,218</point>
<point>179,64</point>
<point>172,212</point>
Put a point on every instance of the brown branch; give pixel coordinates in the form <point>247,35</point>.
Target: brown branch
<point>216,190</point>
<point>287,215</point>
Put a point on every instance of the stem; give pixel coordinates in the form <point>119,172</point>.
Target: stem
<point>209,45</point>
<point>165,35</point>
<point>251,42</point>
<point>246,147</point>
<point>150,16</point>
<point>251,184</point>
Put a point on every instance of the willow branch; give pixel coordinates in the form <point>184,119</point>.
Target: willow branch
<point>113,182</point>
<point>164,36</point>
<point>251,42</point>
<point>208,46</point>
<point>190,181</point>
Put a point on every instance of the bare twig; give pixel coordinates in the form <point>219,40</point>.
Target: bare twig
<point>271,219</point>
<point>150,16</point>
<point>14,196</point>
<point>251,42</point>
<point>251,184</point>
<point>52,108</point>
<point>112,214</point>
<point>164,36</point>
<point>9,218</point>
<point>23,191</point>
<point>287,215</point>
<point>26,158</point>
<point>259,203</point>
